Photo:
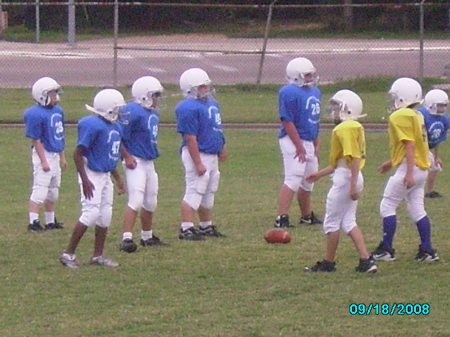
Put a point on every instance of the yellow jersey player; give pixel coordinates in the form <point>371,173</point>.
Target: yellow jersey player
<point>409,155</point>
<point>347,158</point>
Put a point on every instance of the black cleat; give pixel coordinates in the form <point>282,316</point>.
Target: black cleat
<point>190,234</point>
<point>427,255</point>
<point>153,241</point>
<point>211,231</point>
<point>323,265</point>
<point>128,246</point>
<point>35,226</point>
<point>367,266</point>
<point>433,195</point>
<point>311,220</point>
<point>383,253</point>
<point>282,221</point>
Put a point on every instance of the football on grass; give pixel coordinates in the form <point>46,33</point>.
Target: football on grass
<point>277,235</point>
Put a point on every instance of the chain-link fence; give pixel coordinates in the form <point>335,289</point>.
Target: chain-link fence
<point>252,56</point>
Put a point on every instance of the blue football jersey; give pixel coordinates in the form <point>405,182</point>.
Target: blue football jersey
<point>47,125</point>
<point>301,106</point>
<point>436,125</point>
<point>101,141</point>
<point>201,119</point>
<point>140,133</point>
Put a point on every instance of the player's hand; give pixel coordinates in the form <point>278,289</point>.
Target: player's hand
<point>223,155</point>
<point>354,195</point>
<point>300,153</point>
<point>201,169</point>
<point>313,177</point>
<point>409,181</point>
<point>63,164</point>
<point>88,189</point>
<point>130,162</point>
<point>121,187</point>
<point>438,161</point>
<point>46,167</point>
<point>385,167</point>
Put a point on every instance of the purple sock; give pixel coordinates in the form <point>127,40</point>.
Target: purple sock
<point>424,228</point>
<point>389,228</point>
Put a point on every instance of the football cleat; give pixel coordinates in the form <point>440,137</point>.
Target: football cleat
<point>104,261</point>
<point>323,265</point>
<point>383,253</point>
<point>69,260</point>
<point>211,231</point>
<point>153,241</point>
<point>35,226</point>
<point>367,266</point>
<point>282,221</point>
<point>190,234</point>
<point>310,220</point>
<point>426,255</point>
<point>128,246</point>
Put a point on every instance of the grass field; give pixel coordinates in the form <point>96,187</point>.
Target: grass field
<point>237,286</point>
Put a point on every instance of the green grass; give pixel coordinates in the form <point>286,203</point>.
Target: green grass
<point>242,103</point>
<point>238,286</point>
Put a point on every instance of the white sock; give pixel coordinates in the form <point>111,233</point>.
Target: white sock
<point>127,235</point>
<point>49,217</point>
<point>186,225</point>
<point>145,235</point>
<point>33,216</point>
<point>204,224</point>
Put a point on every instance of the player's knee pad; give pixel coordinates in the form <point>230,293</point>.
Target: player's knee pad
<point>330,227</point>
<point>136,200</point>
<point>416,212</point>
<point>208,201</point>
<point>293,182</point>
<point>151,203</point>
<point>53,194</point>
<point>193,200</point>
<point>89,215</point>
<point>347,227</point>
<point>105,216</point>
<point>39,194</point>
<point>304,185</point>
<point>387,207</point>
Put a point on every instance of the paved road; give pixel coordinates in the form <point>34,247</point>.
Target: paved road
<point>228,61</point>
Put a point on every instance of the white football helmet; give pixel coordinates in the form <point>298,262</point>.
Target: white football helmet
<point>107,103</point>
<point>346,105</point>
<point>404,93</point>
<point>146,90</point>
<point>192,79</point>
<point>41,89</point>
<point>298,68</point>
<point>436,101</point>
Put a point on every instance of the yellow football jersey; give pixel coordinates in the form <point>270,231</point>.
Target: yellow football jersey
<point>348,141</point>
<point>408,125</point>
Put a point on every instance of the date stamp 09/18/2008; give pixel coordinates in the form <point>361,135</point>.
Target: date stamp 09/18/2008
<point>389,309</point>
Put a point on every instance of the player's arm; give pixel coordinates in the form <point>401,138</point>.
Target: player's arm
<point>119,181</point>
<point>130,161</point>
<point>39,147</point>
<point>410,163</point>
<point>316,143</point>
<point>300,152</point>
<point>192,145</point>
<point>62,160</point>
<point>354,169</point>
<point>223,155</point>
<point>437,160</point>
<point>88,186</point>
<point>313,177</point>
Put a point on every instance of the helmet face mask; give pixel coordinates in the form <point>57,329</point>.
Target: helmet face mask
<point>46,91</point>
<point>302,72</point>
<point>404,93</point>
<point>108,104</point>
<point>436,102</point>
<point>345,105</point>
<point>147,92</point>
<point>195,83</point>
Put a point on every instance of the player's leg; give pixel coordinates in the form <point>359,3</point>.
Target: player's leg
<point>52,196</point>
<point>431,179</point>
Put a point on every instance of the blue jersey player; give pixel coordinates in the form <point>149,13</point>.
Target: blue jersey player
<point>96,154</point>
<point>139,150</point>
<point>202,147</point>
<point>44,125</point>
<point>437,121</point>
<point>299,112</point>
